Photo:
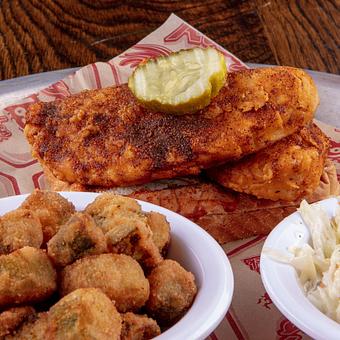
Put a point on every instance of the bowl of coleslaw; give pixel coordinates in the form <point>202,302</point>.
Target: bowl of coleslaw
<point>300,268</point>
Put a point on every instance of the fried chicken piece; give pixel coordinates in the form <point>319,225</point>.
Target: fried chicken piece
<point>105,138</point>
<point>228,215</point>
<point>288,170</point>
<point>126,228</point>
<point>160,231</point>
<point>172,291</point>
<point>120,277</point>
<point>52,209</point>
<point>19,228</point>
<point>84,314</point>
<point>138,327</point>
<point>26,275</point>
<point>77,238</point>
<point>12,319</point>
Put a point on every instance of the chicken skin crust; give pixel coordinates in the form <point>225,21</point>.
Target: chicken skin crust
<point>288,170</point>
<point>105,138</point>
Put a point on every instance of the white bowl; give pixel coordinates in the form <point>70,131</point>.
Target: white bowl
<point>197,252</point>
<point>282,283</point>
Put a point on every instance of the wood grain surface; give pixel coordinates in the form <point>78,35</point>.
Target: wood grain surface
<point>43,35</point>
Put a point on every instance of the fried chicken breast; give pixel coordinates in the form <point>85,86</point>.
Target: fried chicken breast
<point>105,138</point>
<point>288,170</point>
<point>228,215</point>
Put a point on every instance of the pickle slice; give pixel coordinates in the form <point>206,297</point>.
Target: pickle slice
<point>180,83</point>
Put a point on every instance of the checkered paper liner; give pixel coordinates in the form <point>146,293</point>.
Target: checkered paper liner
<point>252,315</point>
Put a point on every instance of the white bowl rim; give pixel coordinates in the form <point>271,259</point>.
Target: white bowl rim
<point>212,315</point>
<point>280,280</point>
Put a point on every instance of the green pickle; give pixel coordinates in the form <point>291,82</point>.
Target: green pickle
<point>180,83</point>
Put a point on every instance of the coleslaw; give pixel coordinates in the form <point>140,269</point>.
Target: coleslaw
<point>318,263</point>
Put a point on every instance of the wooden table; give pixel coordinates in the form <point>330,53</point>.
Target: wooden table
<point>43,35</point>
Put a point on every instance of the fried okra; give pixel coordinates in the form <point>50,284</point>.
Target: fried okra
<point>120,277</point>
<point>32,329</point>
<point>77,238</point>
<point>172,291</point>
<point>12,320</point>
<point>138,327</point>
<point>84,314</point>
<point>52,209</point>
<point>125,227</point>
<point>26,275</point>
<point>19,228</point>
<point>160,231</point>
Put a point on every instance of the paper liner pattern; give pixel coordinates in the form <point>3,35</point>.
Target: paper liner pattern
<point>252,315</point>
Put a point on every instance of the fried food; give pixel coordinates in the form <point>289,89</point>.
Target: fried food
<point>77,238</point>
<point>138,327</point>
<point>12,319</point>
<point>172,291</point>
<point>19,228</point>
<point>160,231</point>
<point>105,138</point>
<point>52,209</point>
<point>33,330</point>
<point>120,277</point>
<point>126,228</point>
<point>107,206</point>
<point>26,275</point>
<point>96,287</point>
<point>288,170</point>
<point>228,215</point>
<point>84,314</point>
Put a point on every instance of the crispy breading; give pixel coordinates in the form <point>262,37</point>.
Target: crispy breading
<point>84,314</point>
<point>11,320</point>
<point>107,206</point>
<point>138,327</point>
<point>160,231</point>
<point>172,291</point>
<point>126,228</point>
<point>19,228</point>
<point>77,238</point>
<point>32,329</point>
<point>105,138</point>
<point>26,275</point>
<point>288,170</point>
<point>120,277</point>
<point>51,208</point>
<point>228,215</point>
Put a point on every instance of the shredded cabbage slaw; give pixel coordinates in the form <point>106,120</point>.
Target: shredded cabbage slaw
<point>318,264</point>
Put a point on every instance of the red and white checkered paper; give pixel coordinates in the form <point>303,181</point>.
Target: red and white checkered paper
<point>252,314</point>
